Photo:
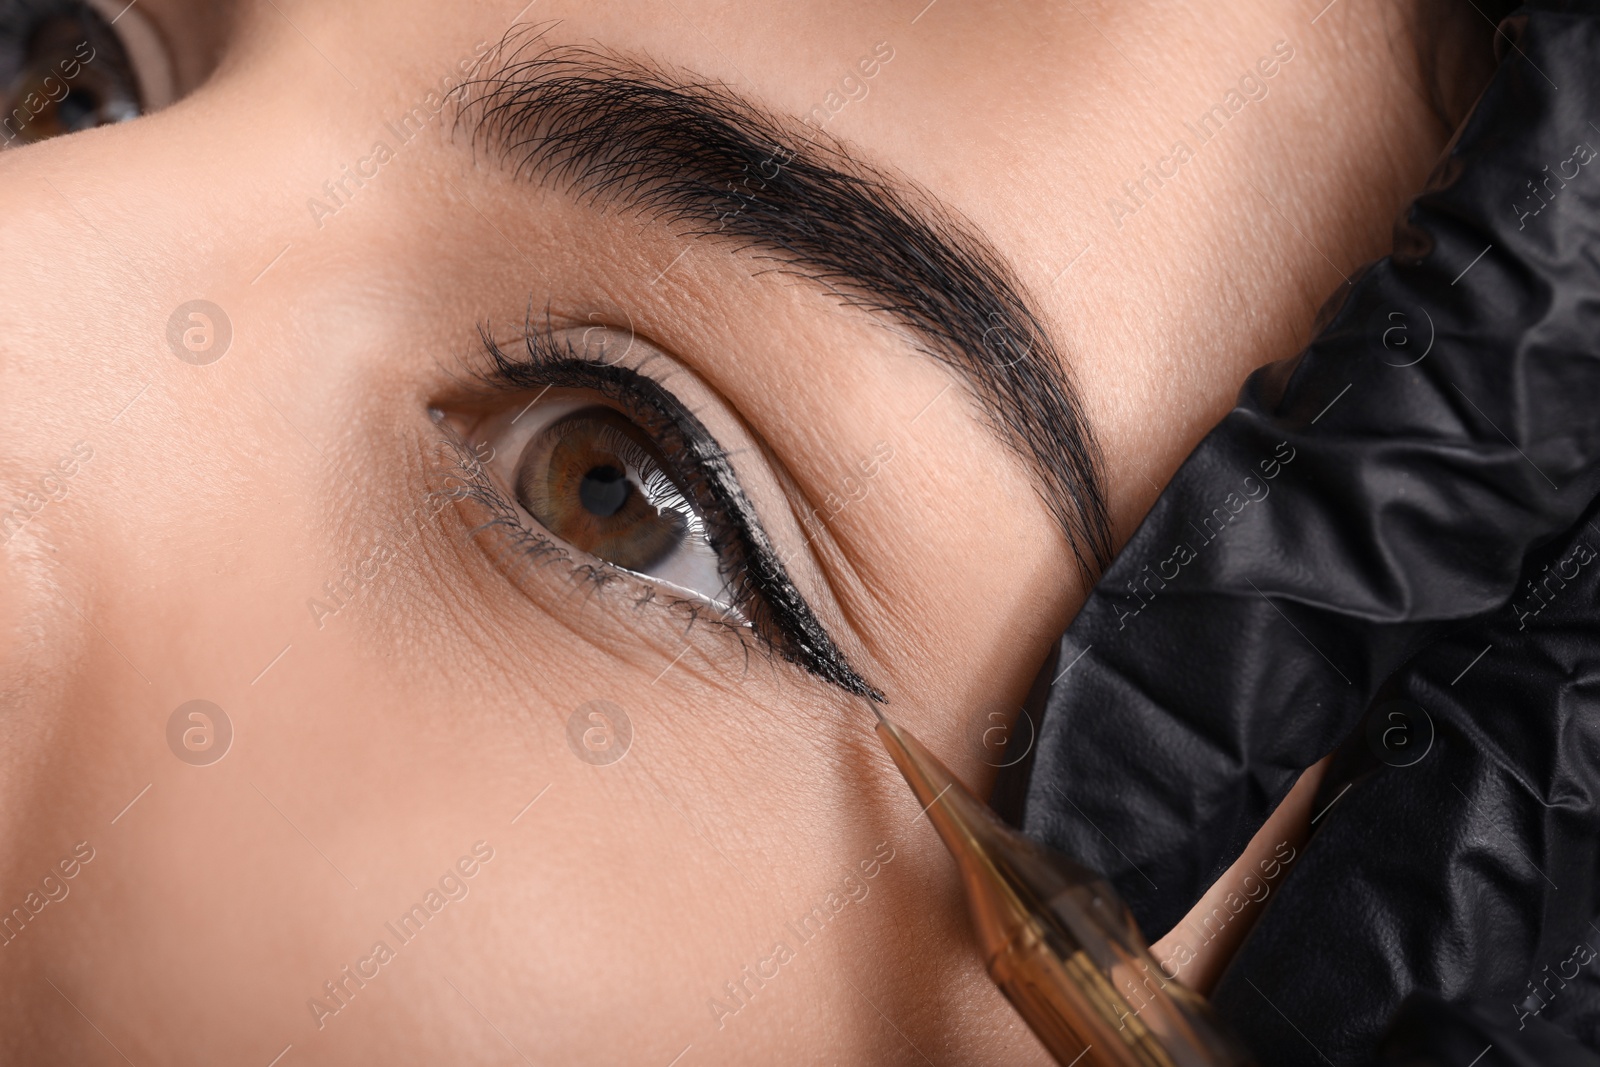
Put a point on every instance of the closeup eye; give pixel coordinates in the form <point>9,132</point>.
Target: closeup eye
<point>64,67</point>
<point>594,478</point>
<point>596,440</point>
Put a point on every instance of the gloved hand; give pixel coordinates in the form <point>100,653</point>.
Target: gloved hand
<point>1390,548</point>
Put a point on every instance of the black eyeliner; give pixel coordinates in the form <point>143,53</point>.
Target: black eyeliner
<point>760,585</point>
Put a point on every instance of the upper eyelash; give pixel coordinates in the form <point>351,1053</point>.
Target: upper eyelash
<point>760,587</point>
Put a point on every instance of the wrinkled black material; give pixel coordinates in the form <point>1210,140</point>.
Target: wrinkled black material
<point>1362,525</point>
<point>1470,874</point>
<point>1430,1032</point>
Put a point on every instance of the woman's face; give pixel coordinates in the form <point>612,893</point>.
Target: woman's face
<point>531,722</point>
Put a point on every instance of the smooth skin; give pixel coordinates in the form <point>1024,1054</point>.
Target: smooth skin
<point>373,752</point>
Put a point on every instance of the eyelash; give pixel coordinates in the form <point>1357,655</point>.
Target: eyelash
<point>758,585</point>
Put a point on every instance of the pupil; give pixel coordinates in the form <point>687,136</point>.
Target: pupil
<point>604,490</point>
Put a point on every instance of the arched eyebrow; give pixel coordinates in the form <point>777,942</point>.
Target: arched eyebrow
<point>698,156</point>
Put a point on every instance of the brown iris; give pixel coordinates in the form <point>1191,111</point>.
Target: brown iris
<point>596,481</point>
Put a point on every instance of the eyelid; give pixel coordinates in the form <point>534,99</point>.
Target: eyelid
<point>552,357</point>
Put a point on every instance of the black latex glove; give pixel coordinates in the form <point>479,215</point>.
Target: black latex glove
<point>1363,525</point>
<point>1433,1033</point>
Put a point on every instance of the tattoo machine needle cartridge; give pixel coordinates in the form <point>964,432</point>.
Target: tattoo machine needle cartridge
<point>1058,941</point>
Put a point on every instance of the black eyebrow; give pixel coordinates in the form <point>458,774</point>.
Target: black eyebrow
<point>696,155</point>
